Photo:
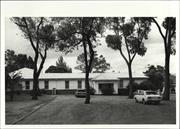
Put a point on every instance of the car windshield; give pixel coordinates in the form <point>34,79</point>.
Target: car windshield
<point>151,93</point>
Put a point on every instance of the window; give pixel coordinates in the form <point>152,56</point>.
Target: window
<point>79,84</point>
<point>46,84</point>
<point>120,83</point>
<point>27,85</point>
<point>66,84</point>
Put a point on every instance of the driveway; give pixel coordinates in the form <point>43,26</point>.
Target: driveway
<point>67,109</point>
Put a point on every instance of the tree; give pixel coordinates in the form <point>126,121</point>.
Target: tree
<point>128,37</point>
<point>62,64</point>
<point>15,61</point>
<point>41,36</point>
<point>99,64</point>
<point>10,61</point>
<point>61,67</point>
<point>82,31</point>
<point>155,76</point>
<point>11,82</point>
<point>169,24</point>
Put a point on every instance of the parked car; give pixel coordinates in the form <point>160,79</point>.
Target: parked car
<point>80,93</point>
<point>145,96</point>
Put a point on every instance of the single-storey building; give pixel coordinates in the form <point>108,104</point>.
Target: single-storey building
<point>61,83</point>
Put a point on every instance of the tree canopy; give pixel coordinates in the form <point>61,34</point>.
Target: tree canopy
<point>84,32</point>
<point>169,38</point>
<point>41,35</point>
<point>15,61</point>
<point>99,64</point>
<point>61,67</point>
<point>128,39</point>
<point>156,76</point>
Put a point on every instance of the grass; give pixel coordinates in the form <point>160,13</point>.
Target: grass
<point>22,105</point>
<point>67,109</point>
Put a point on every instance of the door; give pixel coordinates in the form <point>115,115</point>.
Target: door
<point>106,88</point>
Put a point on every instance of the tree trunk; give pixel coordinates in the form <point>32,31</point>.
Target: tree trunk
<point>35,78</point>
<point>35,89</point>
<point>166,94</point>
<point>35,86</point>
<point>87,100</point>
<point>130,81</point>
<point>39,91</point>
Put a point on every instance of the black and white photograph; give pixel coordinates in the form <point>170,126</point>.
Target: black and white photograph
<point>96,70</point>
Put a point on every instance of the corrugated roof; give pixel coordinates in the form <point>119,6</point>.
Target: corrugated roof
<point>28,74</point>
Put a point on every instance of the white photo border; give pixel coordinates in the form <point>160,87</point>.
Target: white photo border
<point>88,8</point>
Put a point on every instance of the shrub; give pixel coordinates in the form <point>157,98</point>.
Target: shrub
<point>92,91</point>
<point>135,86</point>
<point>146,85</point>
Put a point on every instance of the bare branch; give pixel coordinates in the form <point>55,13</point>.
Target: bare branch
<point>133,57</point>
<point>43,60</point>
<point>120,50</point>
<point>127,48</point>
<point>29,34</point>
<point>158,28</point>
<point>37,32</point>
<point>91,54</point>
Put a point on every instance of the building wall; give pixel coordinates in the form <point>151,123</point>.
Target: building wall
<point>73,84</point>
<point>23,83</point>
<point>41,84</point>
<point>57,84</point>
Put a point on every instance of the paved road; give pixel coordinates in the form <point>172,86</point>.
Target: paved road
<point>67,109</point>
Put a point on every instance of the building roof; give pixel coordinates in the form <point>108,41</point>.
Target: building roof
<point>27,73</point>
<point>117,76</point>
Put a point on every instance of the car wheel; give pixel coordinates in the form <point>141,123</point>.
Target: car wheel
<point>143,101</point>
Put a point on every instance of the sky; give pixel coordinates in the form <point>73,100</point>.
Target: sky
<point>154,55</point>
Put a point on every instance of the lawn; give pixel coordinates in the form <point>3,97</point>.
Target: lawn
<point>67,109</point>
<point>22,105</point>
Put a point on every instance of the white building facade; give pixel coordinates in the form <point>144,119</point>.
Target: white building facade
<point>67,83</point>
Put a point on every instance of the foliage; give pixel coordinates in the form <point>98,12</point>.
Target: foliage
<point>92,91</point>
<point>169,38</point>
<point>12,82</point>
<point>134,85</point>
<point>15,61</point>
<point>41,35</point>
<point>83,32</point>
<point>129,33</point>
<point>72,30</point>
<point>155,76</point>
<point>61,67</point>
<point>172,79</point>
<point>128,39</point>
<point>147,85</point>
<point>99,64</point>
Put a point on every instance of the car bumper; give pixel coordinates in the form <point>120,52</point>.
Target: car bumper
<point>153,101</point>
<point>80,95</point>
